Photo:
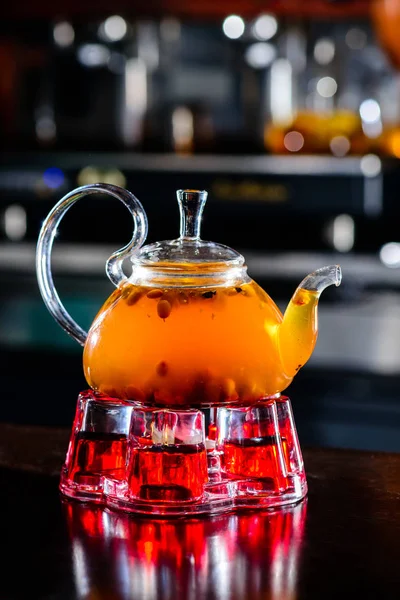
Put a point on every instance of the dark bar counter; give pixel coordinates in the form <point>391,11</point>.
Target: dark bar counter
<point>342,542</point>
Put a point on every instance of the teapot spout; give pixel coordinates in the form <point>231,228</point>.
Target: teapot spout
<point>320,279</point>
<point>298,332</point>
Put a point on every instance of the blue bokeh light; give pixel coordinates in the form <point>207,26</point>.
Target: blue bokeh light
<point>53,178</point>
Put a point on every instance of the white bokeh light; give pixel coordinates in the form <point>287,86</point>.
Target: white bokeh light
<point>343,233</point>
<point>324,51</point>
<point>93,55</point>
<point>260,55</point>
<point>390,255</point>
<point>115,28</point>
<point>327,87</point>
<point>15,223</point>
<point>370,165</point>
<point>45,128</point>
<point>265,27</point>
<point>370,111</point>
<point>63,34</point>
<point>233,27</point>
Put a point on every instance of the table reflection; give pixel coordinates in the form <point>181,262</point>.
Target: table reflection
<point>246,555</point>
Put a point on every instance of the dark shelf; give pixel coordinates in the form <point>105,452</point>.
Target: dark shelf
<point>206,9</point>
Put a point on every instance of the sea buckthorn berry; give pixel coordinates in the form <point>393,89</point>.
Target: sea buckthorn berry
<point>162,369</point>
<point>133,297</point>
<point>133,393</point>
<point>164,309</point>
<point>210,294</point>
<point>300,298</point>
<point>110,391</point>
<point>154,294</point>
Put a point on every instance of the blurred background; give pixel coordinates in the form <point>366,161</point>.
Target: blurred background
<point>288,113</point>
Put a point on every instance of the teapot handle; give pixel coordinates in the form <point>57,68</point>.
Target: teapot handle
<point>114,263</point>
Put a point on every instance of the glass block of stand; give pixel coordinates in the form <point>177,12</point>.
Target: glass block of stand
<point>155,461</point>
<point>98,446</point>
<point>260,451</point>
<point>168,459</point>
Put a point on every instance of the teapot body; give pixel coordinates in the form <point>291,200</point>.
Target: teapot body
<point>189,327</point>
<point>194,346</point>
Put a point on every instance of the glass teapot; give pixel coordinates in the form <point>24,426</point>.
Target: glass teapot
<point>189,327</point>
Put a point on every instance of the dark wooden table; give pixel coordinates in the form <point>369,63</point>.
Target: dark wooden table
<point>343,542</point>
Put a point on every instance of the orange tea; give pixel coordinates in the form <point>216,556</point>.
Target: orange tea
<point>192,346</point>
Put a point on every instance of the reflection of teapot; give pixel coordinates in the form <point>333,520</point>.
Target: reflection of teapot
<point>189,327</point>
<point>247,556</point>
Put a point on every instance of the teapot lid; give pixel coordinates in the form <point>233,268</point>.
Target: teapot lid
<point>188,252</point>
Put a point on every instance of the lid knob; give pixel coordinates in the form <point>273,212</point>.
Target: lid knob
<point>191,204</point>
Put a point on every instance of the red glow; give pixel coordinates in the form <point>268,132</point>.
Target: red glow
<point>85,519</point>
<point>93,454</point>
<point>168,473</point>
<point>265,544</point>
<point>255,457</point>
<point>212,431</point>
